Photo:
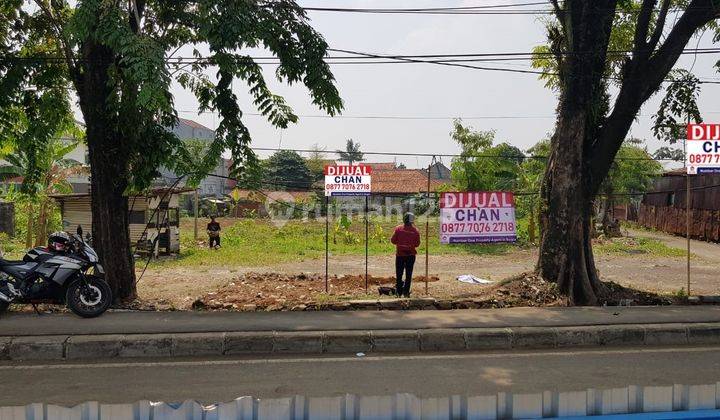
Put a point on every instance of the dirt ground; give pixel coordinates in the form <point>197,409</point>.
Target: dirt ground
<point>180,287</point>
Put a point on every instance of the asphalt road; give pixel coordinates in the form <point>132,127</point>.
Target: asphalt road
<point>471,374</point>
<point>16,324</point>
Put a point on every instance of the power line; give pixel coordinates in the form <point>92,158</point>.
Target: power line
<point>357,56</point>
<point>501,9</point>
<point>406,117</point>
<point>394,117</point>
<point>449,155</point>
<point>431,9</point>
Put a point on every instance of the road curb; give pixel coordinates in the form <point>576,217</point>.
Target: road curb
<point>88,347</point>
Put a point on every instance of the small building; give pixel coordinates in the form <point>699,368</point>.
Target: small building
<point>213,185</point>
<point>260,203</point>
<point>663,206</point>
<point>154,218</point>
<point>439,172</point>
<point>402,182</point>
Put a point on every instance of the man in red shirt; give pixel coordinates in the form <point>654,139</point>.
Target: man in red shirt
<point>406,239</point>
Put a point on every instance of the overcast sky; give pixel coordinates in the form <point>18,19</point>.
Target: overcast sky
<point>425,90</point>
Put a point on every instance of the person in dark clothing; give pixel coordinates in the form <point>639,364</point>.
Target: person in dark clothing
<point>213,230</point>
<point>406,239</point>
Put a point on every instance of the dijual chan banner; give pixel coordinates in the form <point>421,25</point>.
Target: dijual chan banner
<point>477,217</point>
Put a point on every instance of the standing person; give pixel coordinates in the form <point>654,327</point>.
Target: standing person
<point>406,239</point>
<point>213,230</point>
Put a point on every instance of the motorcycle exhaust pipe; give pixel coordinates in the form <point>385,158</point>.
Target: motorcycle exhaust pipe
<point>4,297</point>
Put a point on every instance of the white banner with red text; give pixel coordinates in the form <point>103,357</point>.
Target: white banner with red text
<point>348,180</point>
<point>477,217</point>
<point>702,153</point>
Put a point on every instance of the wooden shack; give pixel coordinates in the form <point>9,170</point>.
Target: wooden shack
<point>154,215</point>
<point>663,206</point>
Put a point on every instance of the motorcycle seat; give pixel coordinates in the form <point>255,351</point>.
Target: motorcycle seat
<point>4,262</point>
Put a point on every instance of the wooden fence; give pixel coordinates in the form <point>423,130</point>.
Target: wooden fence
<point>704,224</point>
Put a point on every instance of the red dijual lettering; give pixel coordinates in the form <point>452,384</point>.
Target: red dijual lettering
<point>351,170</point>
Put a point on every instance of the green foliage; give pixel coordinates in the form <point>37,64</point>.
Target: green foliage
<point>549,57</point>
<point>129,44</point>
<point>191,160</point>
<point>287,170</point>
<point>632,172</point>
<point>252,174</point>
<point>342,229</point>
<point>352,153</point>
<point>316,162</point>
<point>669,153</point>
<point>482,166</point>
<point>678,107</point>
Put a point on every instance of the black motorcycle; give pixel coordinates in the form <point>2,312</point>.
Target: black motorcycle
<point>73,277</point>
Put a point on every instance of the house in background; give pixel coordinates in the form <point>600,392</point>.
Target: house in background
<point>402,182</point>
<point>439,172</point>
<point>215,186</point>
<point>663,206</point>
<point>185,130</point>
<point>80,182</point>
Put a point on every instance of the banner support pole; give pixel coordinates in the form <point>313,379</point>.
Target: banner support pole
<point>367,198</point>
<point>195,211</point>
<point>687,209</point>
<point>327,234</point>
<point>427,229</point>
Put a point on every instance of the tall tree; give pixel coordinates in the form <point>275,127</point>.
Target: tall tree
<point>316,161</point>
<point>352,152</point>
<point>483,166</point>
<point>590,129</point>
<point>119,60</point>
<point>287,170</point>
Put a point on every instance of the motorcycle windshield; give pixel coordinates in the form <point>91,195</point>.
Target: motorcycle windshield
<point>91,254</point>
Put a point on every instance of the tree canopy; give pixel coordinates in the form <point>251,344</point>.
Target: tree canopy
<point>483,166</point>
<point>593,45</point>
<point>121,60</point>
<point>287,170</point>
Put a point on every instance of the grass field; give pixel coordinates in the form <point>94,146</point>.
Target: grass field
<point>259,242</point>
<point>255,242</point>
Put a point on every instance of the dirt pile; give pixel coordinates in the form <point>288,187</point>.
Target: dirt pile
<point>274,291</point>
<point>530,290</point>
<point>524,290</point>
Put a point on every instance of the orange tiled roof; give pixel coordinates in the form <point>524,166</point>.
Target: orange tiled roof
<point>381,166</point>
<point>402,181</point>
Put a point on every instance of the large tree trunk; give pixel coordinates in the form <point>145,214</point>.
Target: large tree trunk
<point>566,256</point>
<point>30,228</point>
<point>585,141</point>
<point>109,173</point>
<point>565,244</point>
<point>41,229</point>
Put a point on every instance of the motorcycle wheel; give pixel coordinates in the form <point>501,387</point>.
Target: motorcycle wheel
<point>89,300</point>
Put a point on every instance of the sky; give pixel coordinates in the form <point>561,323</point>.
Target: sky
<point>517,106</point>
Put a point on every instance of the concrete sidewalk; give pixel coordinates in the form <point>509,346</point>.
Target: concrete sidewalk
<point>28,324</point>
<point>188,334</point>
